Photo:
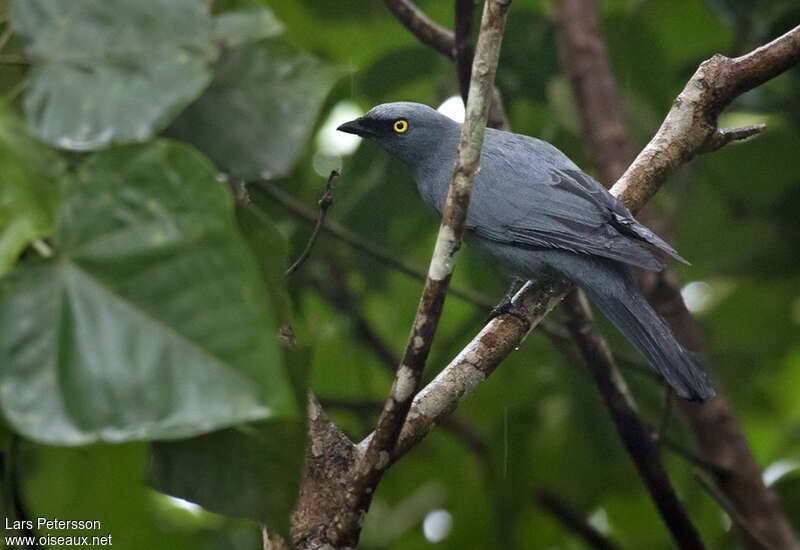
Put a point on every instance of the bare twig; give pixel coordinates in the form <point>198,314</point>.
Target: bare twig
<point>324,203</point>
<point>724,136</point>
<point>301,210</point>
<point>409,375</point>
<point>423,27</point>
<point>573,520</point>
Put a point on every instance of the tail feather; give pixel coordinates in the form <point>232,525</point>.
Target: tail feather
<point>645,329</point>
<point>611,289</point>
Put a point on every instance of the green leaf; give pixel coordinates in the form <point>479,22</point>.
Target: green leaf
<point>115,71</point>
<point>151,322</point>
<point>248,471</point>
<point>266,97</point>
<point>235,28</point>
<point>28,191</point>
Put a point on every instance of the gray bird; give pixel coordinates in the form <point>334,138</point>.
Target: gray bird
<point>533,209</point>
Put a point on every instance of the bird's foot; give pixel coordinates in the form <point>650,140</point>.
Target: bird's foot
<point>507,307</point>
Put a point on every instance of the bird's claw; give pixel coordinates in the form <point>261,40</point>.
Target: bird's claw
<point>507,307</point>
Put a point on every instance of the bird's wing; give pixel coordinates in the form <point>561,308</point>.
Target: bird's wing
<point>529,193</point>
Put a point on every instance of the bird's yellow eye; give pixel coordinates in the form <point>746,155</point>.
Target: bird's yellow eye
<point>400,126</point>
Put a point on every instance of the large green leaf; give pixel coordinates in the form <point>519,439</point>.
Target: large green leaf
<point>259,111</point>
<point>28,191</point>
<point>151,321</point>
<point>118,71</point>
<point>248,471</point>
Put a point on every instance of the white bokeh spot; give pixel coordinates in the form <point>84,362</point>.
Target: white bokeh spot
<point>697,296</point>
<point>437,525</point>
<point>453,107</point>
<point>331,143</point>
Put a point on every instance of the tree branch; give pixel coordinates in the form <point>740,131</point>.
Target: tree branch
<point>692,121</point>
<point>324,203</point>
<point>427,31</point>
<point>409,374</point>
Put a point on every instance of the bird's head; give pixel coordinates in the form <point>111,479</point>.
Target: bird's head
<point>408,131</point>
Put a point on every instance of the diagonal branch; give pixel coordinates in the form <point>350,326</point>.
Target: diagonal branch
<point>427,31</point>
<point>409,374</point>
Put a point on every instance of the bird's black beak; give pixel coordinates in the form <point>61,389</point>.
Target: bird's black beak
<point>356,127</point>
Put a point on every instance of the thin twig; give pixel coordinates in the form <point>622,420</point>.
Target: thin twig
<point>324,203</point>
<point>724,136</point>
<point>301,210</point>
<point>573,520</point>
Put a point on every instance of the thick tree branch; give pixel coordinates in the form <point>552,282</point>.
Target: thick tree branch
<point>692,121</point>
<point>409,374</point>
<point>498,338</point>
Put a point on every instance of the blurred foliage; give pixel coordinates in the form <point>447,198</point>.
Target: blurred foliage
<point>148,310</point>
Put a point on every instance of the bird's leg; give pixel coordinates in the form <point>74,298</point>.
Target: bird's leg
<point>506,306</point>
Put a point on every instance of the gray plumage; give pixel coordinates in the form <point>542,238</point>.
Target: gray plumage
<point>532,208</point>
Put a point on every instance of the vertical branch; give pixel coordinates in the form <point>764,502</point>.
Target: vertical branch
<point>409,374</point>
<point>464,13</point>
<point>584,58</point>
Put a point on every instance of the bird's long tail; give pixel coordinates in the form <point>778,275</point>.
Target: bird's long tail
<point>612,290</point>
